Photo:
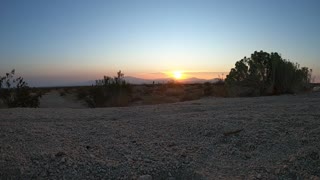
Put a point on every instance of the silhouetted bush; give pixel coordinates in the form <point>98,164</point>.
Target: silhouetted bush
<point>14,92</point>
<point>62,93</point>
<point>111,92</point>
<point>207,89</point>
<point>266,74</point>
<point>82,93</point>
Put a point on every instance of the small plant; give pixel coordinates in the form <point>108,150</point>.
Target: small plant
<point>15,92</point>
<point>82,93</point>
<point>62,93</point>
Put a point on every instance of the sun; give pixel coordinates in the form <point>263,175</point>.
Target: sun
<point>177,74</point>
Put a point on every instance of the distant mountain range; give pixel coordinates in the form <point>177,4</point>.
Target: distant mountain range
<point>135,80</point>
<point>129,79</point>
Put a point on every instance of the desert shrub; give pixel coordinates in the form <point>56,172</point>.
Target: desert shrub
<point>15,92</point>
<point>82,93</point>
<point>161,88</point>
<point>266,74</point>
<point>219,82</point>
<point>111,91</point>
<point>147,90</point>
<point>219,90</point>
<point>174,92</point>
<point>207,89</point>
<point>62,93</point>
<point>192,95</point>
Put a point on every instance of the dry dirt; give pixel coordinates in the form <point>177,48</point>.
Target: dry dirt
<point>213,138</point>
<point>53,99</point>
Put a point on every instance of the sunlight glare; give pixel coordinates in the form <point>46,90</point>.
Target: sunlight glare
<point>177,74</point>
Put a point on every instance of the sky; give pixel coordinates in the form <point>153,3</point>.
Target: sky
<point>61,41</point>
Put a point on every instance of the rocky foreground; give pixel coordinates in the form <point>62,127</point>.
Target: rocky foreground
<point>215,138</point>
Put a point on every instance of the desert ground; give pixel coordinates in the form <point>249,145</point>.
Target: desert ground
<point>275,137</point>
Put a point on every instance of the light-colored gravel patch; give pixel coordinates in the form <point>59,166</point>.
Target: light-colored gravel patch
<point>53,99</point>
<point>214,138</point>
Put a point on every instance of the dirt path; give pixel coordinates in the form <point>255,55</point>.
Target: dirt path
<point>53,100</point>
<point>214,138</point>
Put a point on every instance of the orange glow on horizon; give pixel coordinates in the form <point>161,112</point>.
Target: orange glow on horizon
<point>175,75</point>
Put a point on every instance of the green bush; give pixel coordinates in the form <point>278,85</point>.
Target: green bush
<point>14,92</point>
<point>267,74</point>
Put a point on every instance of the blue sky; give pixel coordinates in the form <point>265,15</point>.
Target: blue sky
<point>68,40</point>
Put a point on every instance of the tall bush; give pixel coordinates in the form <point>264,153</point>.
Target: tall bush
<point>264,74</point>
<point>111,91</point>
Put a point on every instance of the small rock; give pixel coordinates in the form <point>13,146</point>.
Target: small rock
<point>43,173</point>
<point>208,133</point>
<point>259,176</point>
<point>314,155</point>
<point>315,178</point>
<point>36,162</point>
<point>171,144</point>
<point>62,167</point>
<point>147,161</point>
<point>292,159</point>
<point>59,154</point>
<point>145,177</point>
<point>63,160</point>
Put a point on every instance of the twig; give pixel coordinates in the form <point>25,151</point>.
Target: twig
<point>232,132</point>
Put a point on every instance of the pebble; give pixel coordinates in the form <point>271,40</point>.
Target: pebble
<point>259,176</point>
<point>315,178</point>
<point>145,177</point>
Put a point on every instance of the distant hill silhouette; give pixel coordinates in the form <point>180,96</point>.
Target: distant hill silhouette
<point>135,80</point>
<point>129,79</point>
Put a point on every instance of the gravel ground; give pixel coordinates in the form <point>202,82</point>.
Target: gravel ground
<point>213,138</point>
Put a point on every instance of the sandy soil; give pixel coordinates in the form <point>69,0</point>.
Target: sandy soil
<point>214,138</point>
<point>53,99</point>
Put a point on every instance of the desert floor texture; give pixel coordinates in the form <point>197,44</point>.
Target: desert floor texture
<point>274,137</point>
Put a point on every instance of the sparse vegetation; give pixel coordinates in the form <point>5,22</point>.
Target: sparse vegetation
<point>207,89</point>
<point>110,92</point>
<point>15,92</point>
<point>267,74</point>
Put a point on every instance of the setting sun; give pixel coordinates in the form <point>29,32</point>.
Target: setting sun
<point>177,74</point>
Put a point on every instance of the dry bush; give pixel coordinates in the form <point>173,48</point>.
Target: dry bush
<point>2,105</point>
<point>178,91</point>
<point>219,90</point>
<point>111,92</point>
<point>147,90</point>
<point>192,95</point>
<point>207,89</point>
<point>15,92</point>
